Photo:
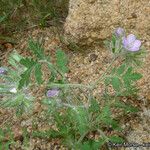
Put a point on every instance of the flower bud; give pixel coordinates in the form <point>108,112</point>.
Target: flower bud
<point>119,32</point>
<point>52,93</point>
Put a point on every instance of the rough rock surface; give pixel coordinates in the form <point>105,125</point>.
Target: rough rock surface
<point>90,21</point>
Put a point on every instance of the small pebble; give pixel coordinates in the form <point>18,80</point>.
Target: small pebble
<point>93,57</point>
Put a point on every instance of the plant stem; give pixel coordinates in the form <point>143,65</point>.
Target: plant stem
<point>93,85</point>
<point>68,85</point>
<point>82,137</point>
<point>103,134</point>
<point>52,66</point>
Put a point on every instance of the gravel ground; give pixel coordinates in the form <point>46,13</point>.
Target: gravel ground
<point>85,67</point>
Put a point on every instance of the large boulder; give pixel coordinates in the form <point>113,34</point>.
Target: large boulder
<point>90,21</point>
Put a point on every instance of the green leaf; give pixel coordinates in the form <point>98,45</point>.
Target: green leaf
<point>121,69</point>
<point>14,59</point>
<point>126,107</point>
<point>16,56</point>
<point>113,71</point>
<point>116,83</point>
<point>114,124</point>
<point>36,48</point>
<point>129,71</point>
<point>135,76</point>
<point>81,117</point>
<point>27,62</point>
<point>116,139</point>
<point>94,107</point>
<point>52,77</point>
<point>106,118</point>
<point>105,115</point>
<point>107,81</point>
<point>30,64</point>
<point>38,73</point>
<point>1,135</point>
<point>92,145</point>
<point>25,78</point>
<point>46,134</point>
<point>61,61</point>
<point>106,111</point>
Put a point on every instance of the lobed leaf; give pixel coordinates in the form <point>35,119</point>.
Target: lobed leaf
<point>61,61</point>
<point>116,83</point>
<point>126,107</point>
<point>121,69</point>
<point>31,65</point>
<point>36,48</point>
<point>116,139</point>
<point>25,78</point>
<point>38,73</point>
<point>135,76</point>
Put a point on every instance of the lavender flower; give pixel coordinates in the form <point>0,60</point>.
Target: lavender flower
<point>2,71</point>
<point>131,43</point>
<point>52,93</point>
<point>119,32</point>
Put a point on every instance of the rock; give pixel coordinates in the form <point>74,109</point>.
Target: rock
<point>89,21</point>
<point>93,57</point>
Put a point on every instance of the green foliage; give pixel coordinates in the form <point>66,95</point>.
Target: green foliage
<point>113,45</point>
<point>36,48</point>
<point>26,139</point>
<point>19,14</point>
<point>91,144</point>
<point>21,100</point>
<point>123,79</point>
<point>38,73</point>
<point>36,65</point>
<point>126,107</point>
<point>135,59</point>
<point>75,113</point>
<point>61,61</point>
<point>46,134</point>
<point>75,123</point>
<point>116,139</point>
<point>116,83</point>
<point>6,138</point>
<point>31,65</point>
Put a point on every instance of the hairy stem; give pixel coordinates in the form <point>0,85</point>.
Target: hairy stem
<point>68,85</point>
<point>103,134</point>
<point>54,67</point>
<point>94,85</point>
<point>82,137</point>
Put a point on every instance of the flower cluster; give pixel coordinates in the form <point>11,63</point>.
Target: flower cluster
<point>129,43</point>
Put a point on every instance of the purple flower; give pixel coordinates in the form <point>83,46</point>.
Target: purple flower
<point>2,71</point>
<point>52,93</point>
<point>131,43</point>
<point>119,32</point>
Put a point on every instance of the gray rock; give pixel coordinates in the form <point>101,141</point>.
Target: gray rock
<point>94,20</point>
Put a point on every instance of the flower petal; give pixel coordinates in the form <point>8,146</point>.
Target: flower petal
<point>52,93</point>
<point>124,42</point>
<point>131,38</point>
<point>136,45</point>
